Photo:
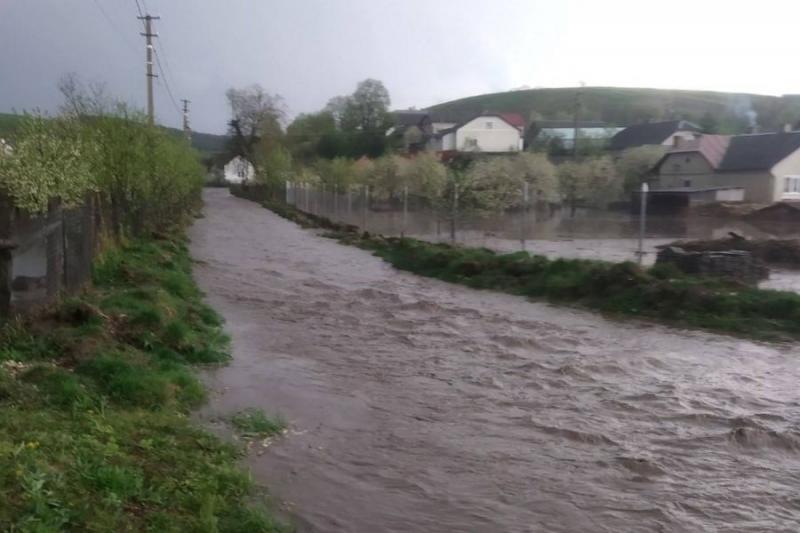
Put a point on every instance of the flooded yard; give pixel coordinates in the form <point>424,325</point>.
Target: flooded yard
<point>555,233</point>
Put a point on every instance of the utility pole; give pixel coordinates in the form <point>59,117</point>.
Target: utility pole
<point>148,35</point>
<point>186,129</point>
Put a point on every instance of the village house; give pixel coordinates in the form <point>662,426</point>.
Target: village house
<point>654,134</point>
<point>239,170</point>
<point>486,132</point>
<point>411,129</point>
<point>544,132</point>
<point>764,168</point>
<point>442,121</point>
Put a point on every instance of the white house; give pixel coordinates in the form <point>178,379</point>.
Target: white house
<point>239,170</point>
<point>487,132</point>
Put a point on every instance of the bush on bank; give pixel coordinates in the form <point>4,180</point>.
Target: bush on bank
<point>661,293</point>
<point>144,176</point>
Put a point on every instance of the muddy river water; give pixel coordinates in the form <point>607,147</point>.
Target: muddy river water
<point>419,406</point>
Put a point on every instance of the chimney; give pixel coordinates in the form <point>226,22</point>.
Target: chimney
<point>676,141</point>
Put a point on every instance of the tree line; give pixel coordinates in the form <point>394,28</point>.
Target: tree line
<point>345,145</point>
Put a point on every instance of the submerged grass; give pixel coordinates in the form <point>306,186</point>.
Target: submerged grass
<point>660,293</point>
<point>94,397</point>
<point>254,423</point>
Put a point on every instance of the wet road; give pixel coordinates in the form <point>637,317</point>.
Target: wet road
<point>421,406</point>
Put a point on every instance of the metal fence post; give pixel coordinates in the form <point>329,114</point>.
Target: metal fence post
<point>523,220</point>
<point>335,201</point>
<point>405,212</point>
<point>364,208</point>
<point>454,214</point>
<point>349,201</point>
<point>642,220</point>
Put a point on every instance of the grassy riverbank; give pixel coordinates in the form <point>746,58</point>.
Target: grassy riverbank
<point>94,398</point>
<point>622,289</point>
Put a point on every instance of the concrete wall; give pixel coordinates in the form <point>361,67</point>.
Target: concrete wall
<point>488,134</point>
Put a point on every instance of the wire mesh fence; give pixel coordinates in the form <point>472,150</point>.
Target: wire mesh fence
<point>531,224</point>
<point>401,213</point>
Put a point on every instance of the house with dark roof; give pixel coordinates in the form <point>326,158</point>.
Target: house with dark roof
<point>654,134</point>
<point>765,166</point>
<point>411,129</point>
<point>485,132</point>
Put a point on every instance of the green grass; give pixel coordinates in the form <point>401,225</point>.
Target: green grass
<point>622,289</point>
<point>254,423</point>
<point>94,397</point>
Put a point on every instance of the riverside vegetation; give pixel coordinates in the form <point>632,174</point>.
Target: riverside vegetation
<point>625,289</point>
<point>94,398</point>
<point>95,391</point>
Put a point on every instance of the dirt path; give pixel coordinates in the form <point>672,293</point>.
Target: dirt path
<point>421,406</point>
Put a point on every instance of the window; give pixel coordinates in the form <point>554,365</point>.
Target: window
<point>687,183</point>
<point>791,185</point>
<point>489,125</point>
<point>688,159</point>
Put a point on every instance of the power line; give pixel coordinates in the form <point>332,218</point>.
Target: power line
<point>166,83</point>
<point>166,61</point>
<point>114,25</point>
<point>139,8</point>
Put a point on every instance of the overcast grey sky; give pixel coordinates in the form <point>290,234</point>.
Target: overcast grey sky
<point>425,52</point>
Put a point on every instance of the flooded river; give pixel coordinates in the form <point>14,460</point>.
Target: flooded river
<point>419,406</point>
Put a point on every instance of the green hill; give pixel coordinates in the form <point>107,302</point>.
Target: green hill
<point>207,144</point>
<point>622,106</point>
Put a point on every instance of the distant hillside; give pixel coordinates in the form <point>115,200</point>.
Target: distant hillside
<point>207,144</point>
<point>728,112</point>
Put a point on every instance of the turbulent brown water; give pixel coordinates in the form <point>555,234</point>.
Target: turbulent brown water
<point>421,406</point>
